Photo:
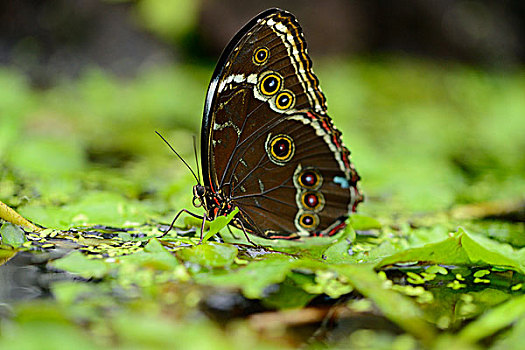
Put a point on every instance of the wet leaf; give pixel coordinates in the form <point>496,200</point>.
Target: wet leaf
<point>12,235</point>
<point>447,252</point>
<point>463,249</point>
<point>484,251</point>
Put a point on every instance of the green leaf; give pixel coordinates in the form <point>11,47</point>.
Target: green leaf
<point>12,235</point>
<point>339,251</point>
<point>209,255</point>
<point>484,251</point>
<point>447,252</point>
<point>396,307</point>
<point>219,223</point>
<point>494,320</point>
<point>154,246</point>
<point>153,256</point>
<point>363,223</point>
<point>288,296</point>
<point>313,247</point>
<point>253,278</point>
<point>93,208</point>
<point>513,339</point>
<point>68,292</point>
<point>463,249</point>
<point>45,325</point>
<point>326,282</point>
<point>435,269</point>
<point>79,264</point>
<point>6,254</point>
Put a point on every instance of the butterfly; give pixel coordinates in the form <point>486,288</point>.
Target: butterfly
<point>268,147</point>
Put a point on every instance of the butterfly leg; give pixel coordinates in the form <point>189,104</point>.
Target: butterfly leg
<point>246,234</point>
<point>202,228</point>
<point>231,232</point>
<point>177,216</point>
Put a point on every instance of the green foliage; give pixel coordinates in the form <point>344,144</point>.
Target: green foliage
<point>495,320</point>
<point>169,19</point>
<point>464,249</point>
<point>439,150</point>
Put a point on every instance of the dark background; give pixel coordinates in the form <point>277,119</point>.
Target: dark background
<point>51,39</point>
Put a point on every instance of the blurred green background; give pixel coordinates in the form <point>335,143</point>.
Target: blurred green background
<point>429,97</point>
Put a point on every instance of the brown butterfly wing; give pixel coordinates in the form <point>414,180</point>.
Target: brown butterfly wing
<point>273,198</point>
<point>265,126</point>
<point>237,71</point>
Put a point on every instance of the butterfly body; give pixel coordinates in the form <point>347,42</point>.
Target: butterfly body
<point>268,146</point>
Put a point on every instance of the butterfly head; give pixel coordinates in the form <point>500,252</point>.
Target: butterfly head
<point>199,192</point>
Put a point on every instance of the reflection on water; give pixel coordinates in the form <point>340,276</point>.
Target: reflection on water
<point>27,276</point>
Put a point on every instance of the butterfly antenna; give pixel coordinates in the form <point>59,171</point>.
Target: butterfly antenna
<point>196,156</point>
<point>178,155</point>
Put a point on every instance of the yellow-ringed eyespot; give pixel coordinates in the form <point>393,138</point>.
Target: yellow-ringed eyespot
<point>310,178</point>
<point>284,100</point>
<point>270,83</point>
<point>261,55</point>
<point>280,148</point>
<point>312,200</point>
<point>307,220</point>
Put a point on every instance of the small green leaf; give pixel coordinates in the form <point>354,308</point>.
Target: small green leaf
<point>435,269</point>
<point>209,255</point>
<point>79,264</point>
<point>481,273</point>
<point>448,252</point>
<point>154,246</point>
<point>219,223</point>
<point>12,235</point>
<point>288,296</point>
<point>339,252</point>
<point>363,223</point>
<point>414,278</point>
<point>154,256</point>
<point>254,278</point>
